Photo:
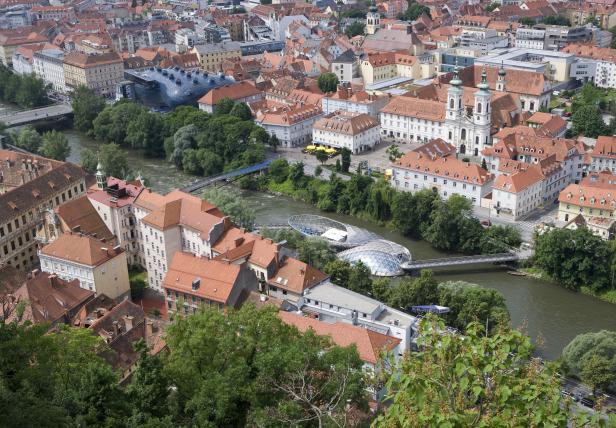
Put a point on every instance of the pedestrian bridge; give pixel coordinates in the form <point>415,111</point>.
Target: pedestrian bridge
<point>25,117</point>
<point>415,265</point>
<point>207,181</point>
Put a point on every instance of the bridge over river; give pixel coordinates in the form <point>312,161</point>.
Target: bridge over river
<point>25,117</point>
<point>416,265</point>
<point>207,181</point>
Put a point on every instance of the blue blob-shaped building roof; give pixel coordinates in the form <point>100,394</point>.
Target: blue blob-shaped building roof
<point>171,87</point>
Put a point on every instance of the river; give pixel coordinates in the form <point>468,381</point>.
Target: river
<point>550,314</point>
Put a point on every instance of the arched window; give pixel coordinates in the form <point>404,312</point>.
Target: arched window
<point>460,103</point>
<point>463,135</point>
<point>478,107</point>
<point>451,103</point>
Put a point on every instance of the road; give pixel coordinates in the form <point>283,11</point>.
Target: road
<point>29,116</point>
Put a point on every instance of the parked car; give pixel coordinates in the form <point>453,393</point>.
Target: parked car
<point>588,402</point>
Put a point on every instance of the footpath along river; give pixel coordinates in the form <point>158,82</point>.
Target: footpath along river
<point>549,313</point>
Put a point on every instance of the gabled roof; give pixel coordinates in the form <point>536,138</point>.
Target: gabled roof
<point>80,216</point>
<point>80,249</point>
<point>369,343</point>
<point>296,276</point>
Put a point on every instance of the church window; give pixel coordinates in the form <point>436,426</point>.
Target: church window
<point>463,136</point>
<point>451,103</point>
<point>478,107</point>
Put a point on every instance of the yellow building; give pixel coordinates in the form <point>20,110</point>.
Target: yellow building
<point>589,200</point>
<point>211,56</point>
<point>10,40</point>
<point>96,265</point>
<point>580,13</point>
<point>389,65</point>
<point>100,73</point>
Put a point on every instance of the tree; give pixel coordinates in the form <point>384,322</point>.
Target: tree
<point>316,252</point>
<point>557,20</point>
<point>484,165</point>
<point>339,272</point>
<point>414,11</point>
<point>587,121</point>
<point>318,170</point>
<point>224,106</point>
<point>415,292</point>
<point>573,258</point>
<point>381,289</point>
<point>321,156</point>
<point>411,211</point>
<point>327,82</point>
<point>146,132</point>
<point>31,92</point>
<point>296,174</point>
<point>28,139</point>
<point>89,160</point>
<point>86,107</point>
<point>492,6</point>
<point>529,22</point>
<point>55,146</point>
<point>355,29</point>
<point>113,160</point>
<point>346,159</point>
<point>471,302</point>
<point>597,372</point>
<point>590,350</point>
<point>274,142</point>
<point>394,152</point>
<point>444,231</point>
<point>242,111</point>
<point>231,203</point>
<point>279,170</point>
<point>246,368</point>
<point>473,380</point>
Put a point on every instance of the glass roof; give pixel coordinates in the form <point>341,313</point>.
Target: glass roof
<point>336,233</point>
<point>382,257</point>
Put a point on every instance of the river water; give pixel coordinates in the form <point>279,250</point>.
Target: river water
<point>550,314</point>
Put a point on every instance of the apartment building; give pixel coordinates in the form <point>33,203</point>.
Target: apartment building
<point>48,64</point>
<point>211,56</point>
<point>346,99</point>
<point>194,282</point>
<point>389,65</point>
<point>603,155</point>
<point>98,267</point>
<point>597,65</point>
<point>446,175</point>
<point>100,73</point>
<point>243,92</point>
<point>113,200</point>
<point>30,186</point>
<point>356,132</point>
<point>11,40</point>
<point>292,125</point>
<point>518,194</point>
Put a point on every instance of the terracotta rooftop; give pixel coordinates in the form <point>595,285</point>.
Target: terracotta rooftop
<point>296,276</point>
<point>80,249</point>
<point>80,216</point>
<point>602,198</point>
<point>369,343</point>
<point>605,147</point>
<point>446,167</point>
<point>519,181</point>
<point>216,278</point>
<point>82,60</point>
<point>346,123</point>
<point>243,89</point>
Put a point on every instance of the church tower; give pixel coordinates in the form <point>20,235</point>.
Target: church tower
<point>101,180</point>
<point>482,114</point>
<point>373,19</point>
<point>500,83</point>
<point>455,109</point>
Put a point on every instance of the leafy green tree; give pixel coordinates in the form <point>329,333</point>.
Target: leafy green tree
<point>360,278</point>
<point>573,258</point>
<point>414,291</point>
<point>327,82</point>
<point>113,160</point>
<point>411,211</point>
<point>414,11</point>
<point>86,107</point>
<point>473,380</point>
<point>339,272</point>
<point>529,22</point>
<point>355,29</point>
<point>55,145</point>
<point>346,159</point>
<point>184,138</point>
<point>242,111</point>
<point>557,20</point>
<point>249,367</point>
<point>296,174</point>
<point>492,6</point>
<point>444,229</point>
<point>318,170</point>
<point>587,121</point>
<point>279,170</point>
<point>259,135</point>
<point>597,372</point>
<point>32,92</point>
<point>211,163</point>
<point>274,142</point>
<point>190,162</point>
<point>224,106</point>
<point>28,139</point>
<point>394,152</point>
<point>146,132</point>
<point>316,252</point>
<point>578,355</point>
<point>380,198</point>
<point>338,166</point>
<point>321,156</point>
<point>230,202</point>
<point>471,302</point>
<point>381,288</point>
<point>89,160</point>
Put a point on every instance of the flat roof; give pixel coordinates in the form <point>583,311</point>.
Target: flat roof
<point>387,83</point>
<point>330,293</point>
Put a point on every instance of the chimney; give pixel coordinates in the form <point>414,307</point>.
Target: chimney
<point>128,322</point>
<point>35,272</point>
<point>99,313</point>
<point>53,279</point>
<point>116,329</point>
<point>196,284</point>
